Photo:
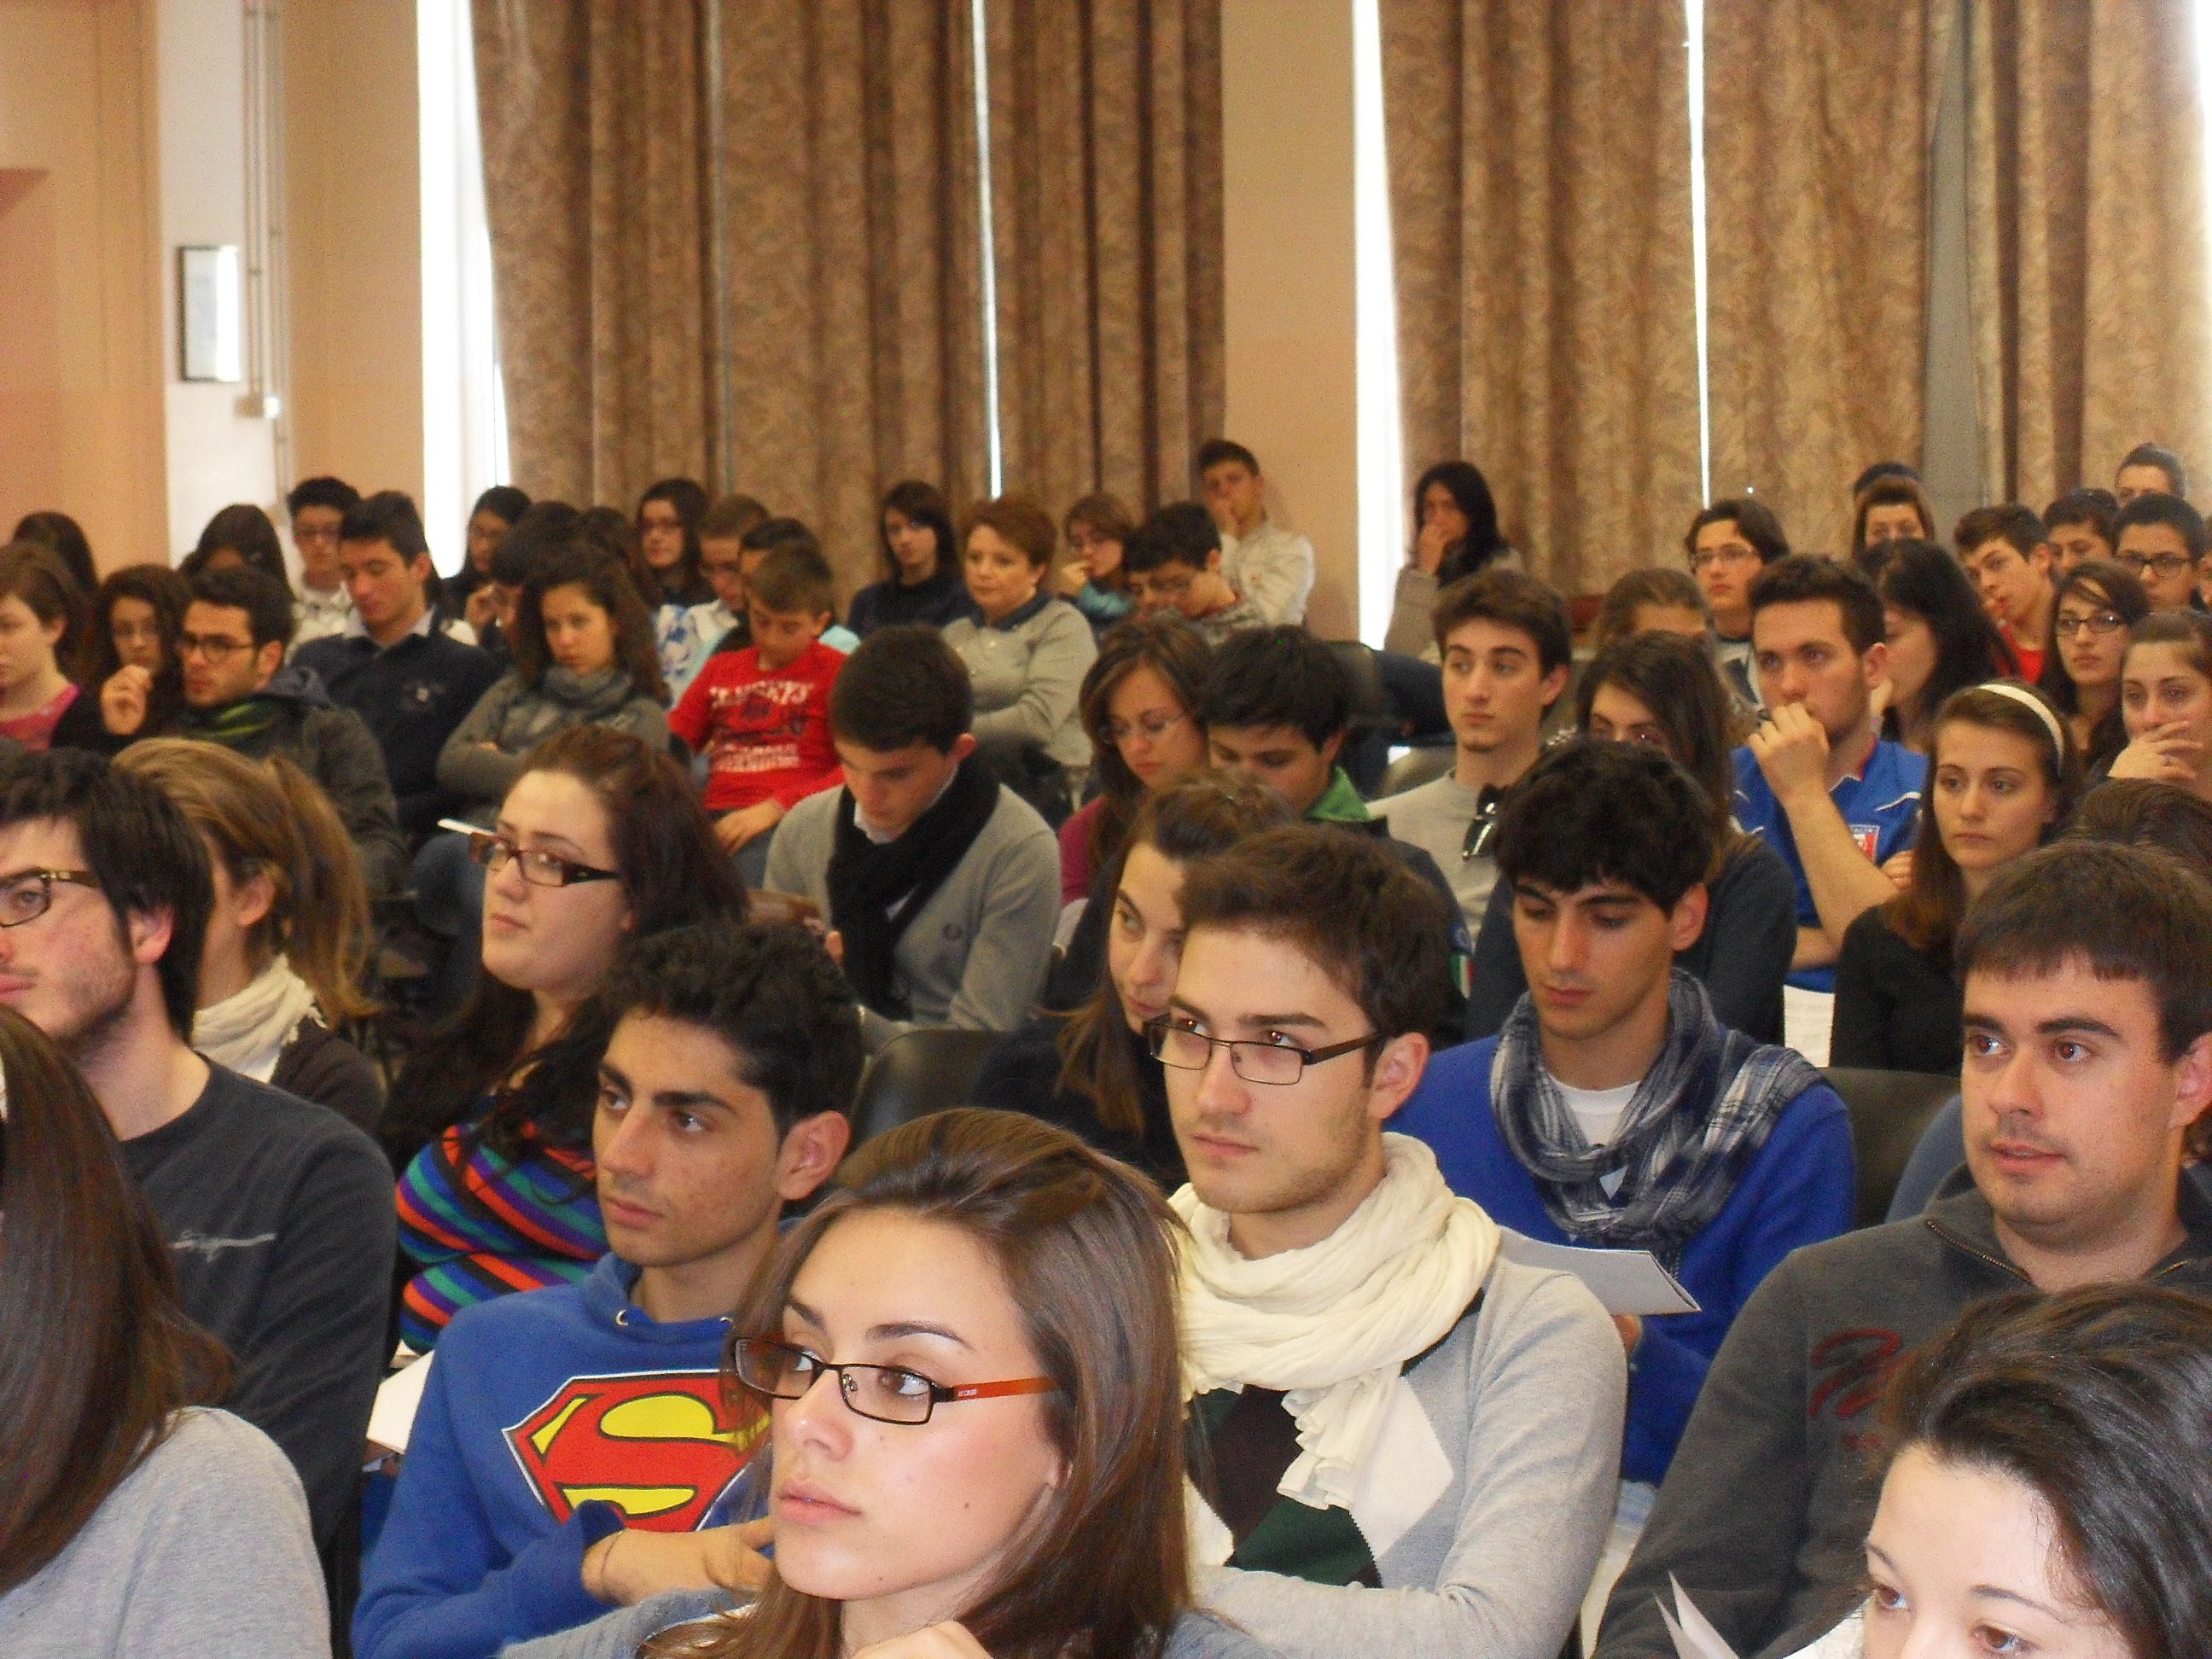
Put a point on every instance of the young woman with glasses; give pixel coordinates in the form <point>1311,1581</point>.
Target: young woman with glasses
<point>2098,606</point>
<point>132,676</point>
<point>968,1356</point>
<point>601,839</point>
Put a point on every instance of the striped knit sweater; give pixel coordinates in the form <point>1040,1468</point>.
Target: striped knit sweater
<point>479,1226</point>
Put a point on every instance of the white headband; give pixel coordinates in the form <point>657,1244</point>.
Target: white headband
<point>2028,699</point>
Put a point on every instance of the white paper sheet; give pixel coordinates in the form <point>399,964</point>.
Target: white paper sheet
<point>1694,1633</point>
<point>392,1418</point>
<point>1625,1281</point>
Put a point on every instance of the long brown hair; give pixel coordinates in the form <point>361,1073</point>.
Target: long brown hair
<point>1195,818</point>
<point>95,1354</point>
<point>608,586</point>
<point>169,594</point>
<point>1086,1249</point>
<point>1674,678</point>
<point>1926,914</point>
<point>29,573</point>
<point>271,819</point>
<point>1180,655</point>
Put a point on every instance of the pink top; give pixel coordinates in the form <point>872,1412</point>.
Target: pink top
<point>36,729</point>
<point>1075,871</point>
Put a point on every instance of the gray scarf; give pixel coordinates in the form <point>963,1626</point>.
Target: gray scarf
<point>1693,1128</point>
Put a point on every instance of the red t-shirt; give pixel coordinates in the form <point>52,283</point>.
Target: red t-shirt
<point>766,735</point>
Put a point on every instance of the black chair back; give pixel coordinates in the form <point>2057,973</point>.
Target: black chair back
<point>1415,767</point>
<point>918,1073</point>
<point>1888,1112</point>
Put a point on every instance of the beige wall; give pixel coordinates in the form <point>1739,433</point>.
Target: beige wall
<point>354,201</point>
<point>1287,117</point>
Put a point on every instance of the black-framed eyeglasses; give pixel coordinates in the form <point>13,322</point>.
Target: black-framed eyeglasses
<point>2102,623</point>
<point>2166,564</point>
<point>29,893</point>
<point>539,868</point>
<point>1178,1043</point>
<point>883,1394</point>
<point>213,647</point>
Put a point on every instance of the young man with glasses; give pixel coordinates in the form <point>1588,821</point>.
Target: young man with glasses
<point>575,1447</point>
<point>238,693</point>
<point>1382,1401</point>
<point>1173,561</point>
<point>1727,544</point>
<point>278,1214</point>
<point>317,506</point>
<point>2162,539</point>
<point>1507,651</point>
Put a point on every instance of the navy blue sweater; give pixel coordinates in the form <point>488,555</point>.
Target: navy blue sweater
<point>1800,1189</point>
<point>411,695</point>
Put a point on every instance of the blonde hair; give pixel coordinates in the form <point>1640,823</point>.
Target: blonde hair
<point>272,819</point>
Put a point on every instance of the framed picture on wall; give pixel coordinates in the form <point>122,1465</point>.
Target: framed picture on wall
<point>210,329</point>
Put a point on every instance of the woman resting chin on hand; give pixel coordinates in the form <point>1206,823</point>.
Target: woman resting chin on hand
<point>997,1467</point>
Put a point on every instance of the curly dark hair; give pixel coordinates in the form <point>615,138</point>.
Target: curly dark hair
<point>1590,812</point>
<point>608,586</point>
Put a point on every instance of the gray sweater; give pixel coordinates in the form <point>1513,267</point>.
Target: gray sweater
<point>1488,1495</point>
<point>620,1633</point>
<point>202,1553</point>
<point>516,717</point>
<point>977,955</point>
<point>1028,675</point>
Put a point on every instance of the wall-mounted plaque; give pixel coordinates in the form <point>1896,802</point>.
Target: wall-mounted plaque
<point>211,325</point>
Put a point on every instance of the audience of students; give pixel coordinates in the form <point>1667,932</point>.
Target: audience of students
<point>1382,1401</point>
<point>278,1215</point>
<point>1271,567</point>
<point>1507,651</point>
<point>1026,653</point>
<point>288,937</point>
<point>1455,534</point>
<point>1097,528</point>
<point>317,507</point>
<point>1651,600</point>
<point>1092,1072</point>
<point>2002,777</point>
<point>761,715</point>
<point>2166,701</point>
<point>1139,709</point>
<point>722,1096</point>
<point>132,677</point>
<point>2082,525</point>
<point>393,664</point>
<point>240,692</point>
<point>2007,551</point>
<point>2161,541</point>
<point>1815,781</point>
<point>1892,507</point>
<point>2099,605</point>
<point>1660,692</point>
<point>137,1518</point>
<point>2147,469</point>
<point>1940,638</point>
<point>1727,544</point>
<point>39,619</point>
<point>2088,1054</point>
<point>922,568</point>
<point>600,840</point>
<point>64,537</point>
<point>1173,566</point>
<point>238,536</point>
<point>941,883</point>
<point>1615,1110</point>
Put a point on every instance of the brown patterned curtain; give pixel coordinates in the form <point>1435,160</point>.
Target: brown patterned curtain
<point>1106,202</point>
<point>848,354</point>
<point>1540,186</point>
<point>2086,238</point>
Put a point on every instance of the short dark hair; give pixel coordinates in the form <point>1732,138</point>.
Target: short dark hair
<point>2165,460</point>
<point>1214,450</point>
<point>2095,507</point>
<point>504,502</point>
<point>1880,469</point>
<point>1590,811</point>
<point>794,576</point>
<point>2170,510</point>
<point>1182,532</point>
<point>244,529</point>
<point>771,533</point>
<point>2144,812</point>
<point>1803,578</point>
<point>1754,520</point>
<point>902,685</point>
<point>1377,930</point>
<point>2130,913</point>
<point>729,517</point>
<point>322,491</point>
<point>770,993</point>
<point>544,528</point>
<point>1647,585</point>
<point>2017,526</point>
<point>139,846</point>
<point>266,603</point>
<point>389,516</point>
<point>1511,598</point>
<point>1277,676</point>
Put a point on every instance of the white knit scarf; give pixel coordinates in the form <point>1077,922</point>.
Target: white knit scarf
<point>1331,1324</point>
<point>248,1029</point>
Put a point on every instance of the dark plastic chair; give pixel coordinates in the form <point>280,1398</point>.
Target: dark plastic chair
<point>1888,1112</point>
<point>1415,767</point>
<point>918,1073</point>
<point>1374,725</point>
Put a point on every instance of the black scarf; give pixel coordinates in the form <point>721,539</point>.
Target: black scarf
<point>866,878</point>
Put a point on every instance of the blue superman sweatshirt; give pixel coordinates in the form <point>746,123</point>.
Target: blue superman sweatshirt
<point>1798,1190</point>
<point>551,1419</point>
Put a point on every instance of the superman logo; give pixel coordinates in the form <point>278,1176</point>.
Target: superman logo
<point>661,1446</point>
